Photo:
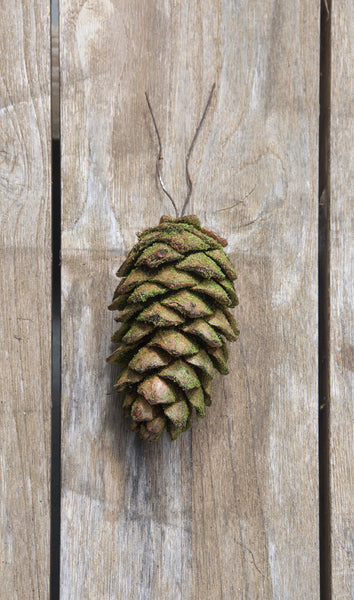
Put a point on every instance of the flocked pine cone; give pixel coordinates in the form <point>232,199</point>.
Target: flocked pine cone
<point>174,297</point>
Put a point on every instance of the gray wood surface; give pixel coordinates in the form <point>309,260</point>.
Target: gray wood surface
<point>341,364</point>
<point>55,82</point>
<point>25,299</point>
<point>230,510</point>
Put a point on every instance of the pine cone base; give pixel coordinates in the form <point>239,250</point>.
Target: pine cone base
<point>174,298</point>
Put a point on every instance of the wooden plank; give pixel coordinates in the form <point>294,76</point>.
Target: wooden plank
<point>25,299</point>
<point>55,83</point>
<point>341,260</point>
<point>230,510</point>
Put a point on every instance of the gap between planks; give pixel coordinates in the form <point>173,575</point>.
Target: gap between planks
<point>323,299</point>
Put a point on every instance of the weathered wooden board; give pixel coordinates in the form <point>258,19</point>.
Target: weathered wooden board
<point>25,299</point>
<point>230,510</point>
<point>55,83</point>
<point>341,359</point>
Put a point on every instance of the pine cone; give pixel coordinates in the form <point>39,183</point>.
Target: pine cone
<point>176,287</point>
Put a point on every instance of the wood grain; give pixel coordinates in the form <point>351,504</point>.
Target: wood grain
<point>230,510</point>
<point>341,420</point>
<point>55,82</point>
<point>25,299</point>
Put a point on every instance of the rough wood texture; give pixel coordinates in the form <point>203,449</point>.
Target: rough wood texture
<point>25,299</point>
<point>230,510</point>
<point>55,83</point>
<point>341,428</point>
